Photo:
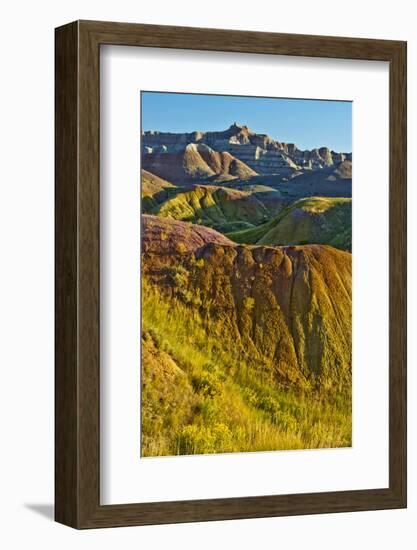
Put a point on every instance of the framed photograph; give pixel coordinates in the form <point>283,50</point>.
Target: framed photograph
<point>230,274</point>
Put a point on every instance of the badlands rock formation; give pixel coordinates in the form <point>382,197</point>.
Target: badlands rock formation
<point>195,162</point>
<point>258,152</point>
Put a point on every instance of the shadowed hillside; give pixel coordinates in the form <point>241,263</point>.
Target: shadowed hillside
<point>342,171</point>
<point>326,182</point>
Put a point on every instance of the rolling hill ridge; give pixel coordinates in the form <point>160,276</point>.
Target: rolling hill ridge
<point>319,220</point>
<point>225,209</point>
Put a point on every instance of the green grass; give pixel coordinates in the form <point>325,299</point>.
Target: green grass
<point>312,220</point>
<point>200,396</point>
<point>214,207</point>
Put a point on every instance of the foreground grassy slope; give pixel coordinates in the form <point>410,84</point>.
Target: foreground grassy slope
<point>243,348</point>
<point>312,220</point>
<point>198,398</point>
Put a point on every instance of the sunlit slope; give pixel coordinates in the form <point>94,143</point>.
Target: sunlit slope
<point>243,348</point>
<point>154,190</point>
<point>219,207</point>
<point>288,309</point>
<point>197,162</point>
<point>312,220</point>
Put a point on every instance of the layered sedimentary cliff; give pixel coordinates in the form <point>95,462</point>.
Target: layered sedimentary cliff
<point>259,152</point>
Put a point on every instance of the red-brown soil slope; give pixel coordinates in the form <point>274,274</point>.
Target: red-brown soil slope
<point>286,310</point>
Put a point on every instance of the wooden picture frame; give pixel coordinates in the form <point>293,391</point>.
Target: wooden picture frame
<point>77,405</point>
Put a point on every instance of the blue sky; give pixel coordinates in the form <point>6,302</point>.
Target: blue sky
<point>308,123</point>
